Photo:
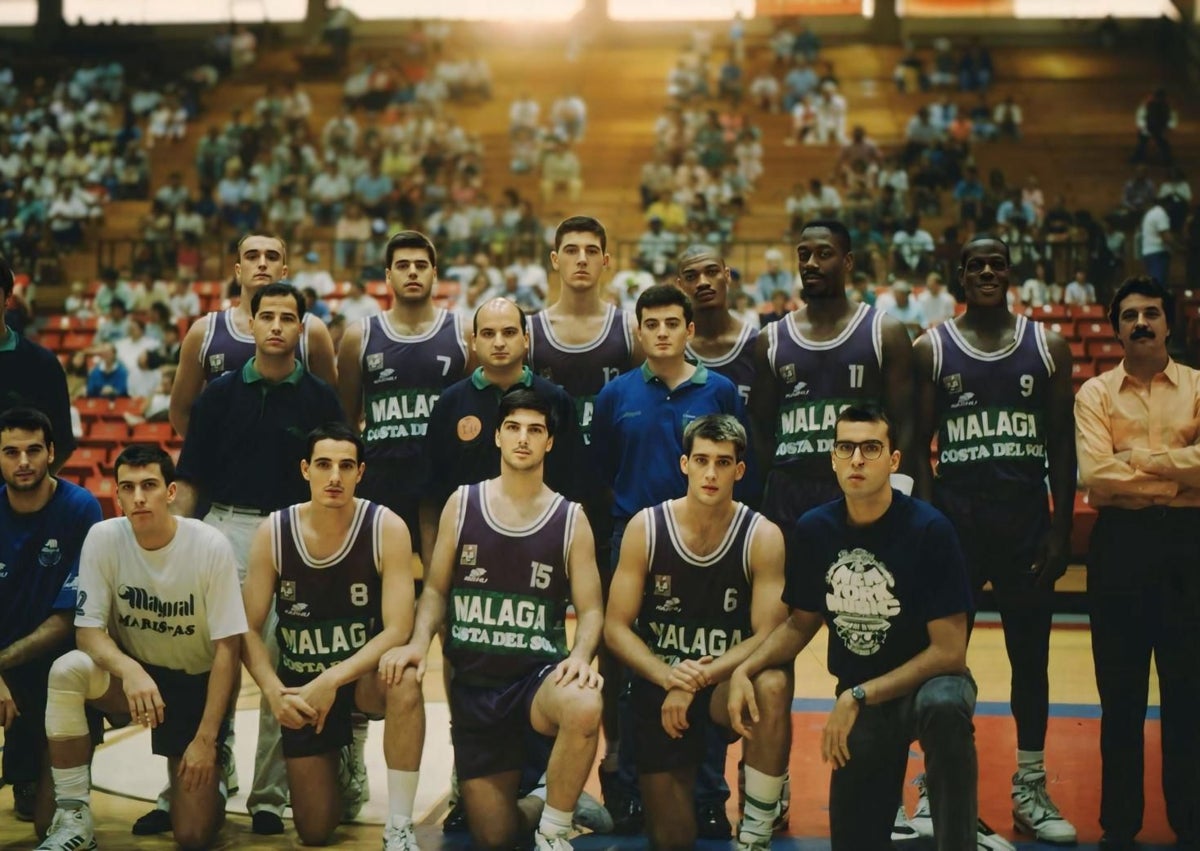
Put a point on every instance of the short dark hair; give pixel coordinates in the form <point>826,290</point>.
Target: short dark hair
<point>143,455</point>
<point>719,428</point>
<point>475,317</point>
<point>1141,285</point>
<point>279,288</point>
<point>409,239</point>
<point>664,295</point>
<point>840,234</point>
<point>580,224</point>
<point>268,235</point>
<point>866,413</point>
<point>982,237</point>
<point>524,399</point>
<point>335,431</point>
<point>698,249</point>
<point>28,419</point>
<point>7,281</point>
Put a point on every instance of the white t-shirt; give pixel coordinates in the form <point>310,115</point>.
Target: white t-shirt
<point>1154,224</point>
<point>163,607</point>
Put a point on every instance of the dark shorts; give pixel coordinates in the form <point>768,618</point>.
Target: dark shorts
<point>337,732</point>
<point>184,696</point>
<point>999,532</point>
<point>489,725</point>
<point>791,491</point>
<point>658,752</point>
<point>25,740</point>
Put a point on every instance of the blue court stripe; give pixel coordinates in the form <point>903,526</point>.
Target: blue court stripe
<point>1057,710</point>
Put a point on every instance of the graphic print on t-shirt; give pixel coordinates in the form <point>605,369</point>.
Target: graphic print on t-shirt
<point>860,596</point>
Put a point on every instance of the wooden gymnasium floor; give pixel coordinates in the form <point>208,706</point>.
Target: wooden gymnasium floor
<point>1073,760</point>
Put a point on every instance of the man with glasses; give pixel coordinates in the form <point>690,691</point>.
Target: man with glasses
<point>886,573</point>
<point>996,389</point>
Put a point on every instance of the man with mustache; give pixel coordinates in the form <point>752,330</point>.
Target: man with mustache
<point>1136,441</point>
<point>996,390</point>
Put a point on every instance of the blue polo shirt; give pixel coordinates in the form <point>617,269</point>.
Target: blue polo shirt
<point>39,558</point>
<point>247,436</point>
<point>461,439</point>
<point>637,433</point>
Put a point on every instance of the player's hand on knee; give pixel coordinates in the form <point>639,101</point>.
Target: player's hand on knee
<point>689,675</point>
<point>576,671</point>
<point>146,705</point>
<point>198,765</point>
<point>291,711</point>
<point>742,704</point>
<point>674,712</point>
<point>394,661</point>
<point>8,706</point>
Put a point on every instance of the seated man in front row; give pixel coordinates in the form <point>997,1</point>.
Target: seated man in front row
<point>700,580</point>
<point>337,570</point>
<point>887,574</point>
<point>510,553</point>
<point>159,625</point>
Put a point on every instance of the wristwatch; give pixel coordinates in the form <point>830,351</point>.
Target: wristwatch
<point>859,694</point>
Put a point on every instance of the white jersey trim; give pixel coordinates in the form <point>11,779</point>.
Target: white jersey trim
<point>547,327</point>
<point>512,531</point>
<point>739,345</point>
<point>360,511</point>
<point>676,535</point>
<point>825,345</point>
<point>980,355</point>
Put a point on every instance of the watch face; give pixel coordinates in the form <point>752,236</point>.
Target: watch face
<point>858,694</point>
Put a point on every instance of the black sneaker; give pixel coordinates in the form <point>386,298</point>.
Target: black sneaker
<point>152,823</point>
<point>456,819</point>
<point>24,795</point>
<point>711,822</point>
<point>266,823</point>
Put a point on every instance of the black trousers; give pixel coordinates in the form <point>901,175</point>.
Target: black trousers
<point>1144,598</point>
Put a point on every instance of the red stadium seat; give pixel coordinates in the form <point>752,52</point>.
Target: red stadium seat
<point>1105,364</point>
<point>1064,328</point>
<point>152,433</point>
<point>73,341</point>
<point>1083,370</point>
<point>106,433</point>
<point>1048,312</point>
<point>1077,350</point>
<point>105,491</point>
<point>1102,349</point>
<point>1095,331</point>
<point>1089,311</point>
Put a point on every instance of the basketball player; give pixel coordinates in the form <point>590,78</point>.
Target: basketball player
<point>159,625</point>
<point>581,342</point>
<point>722,342</point>
<point>222,341</point>
<point>825,355</point>
<point>996,389</point>
<point>391,369</point>
<point>510,554</point>
<point>338,571</point>
<point>697,588</point>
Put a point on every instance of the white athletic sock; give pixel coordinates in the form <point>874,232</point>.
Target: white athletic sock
<point>1031,759</point>
<point>554,822</point>
<point>539,791</point>
<point>402,792</point>
<point>72,784</point>
<point>762,797</point>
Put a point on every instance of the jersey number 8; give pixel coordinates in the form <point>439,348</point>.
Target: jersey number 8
<point>359,594</point>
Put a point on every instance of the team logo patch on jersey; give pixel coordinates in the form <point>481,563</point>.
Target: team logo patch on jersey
<point>671,604</point>
<point>385,375</point>
<point>800,388</point>
<point>298,610</point>
<point>788,372</point>
<point>469,429</point>
<point>50,554</point>
<point>216,363</point>
<point>375,362</point>
<point>662,585</point>
<point>952,383</point>
<point>469,554</point>
<point>965,400</point>
<point>287,589</point>
<point>477,574</point>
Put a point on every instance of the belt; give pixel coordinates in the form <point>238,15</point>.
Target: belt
<point>247,510</point>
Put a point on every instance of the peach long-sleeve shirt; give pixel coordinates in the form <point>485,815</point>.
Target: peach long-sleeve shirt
<point>1137,442</point>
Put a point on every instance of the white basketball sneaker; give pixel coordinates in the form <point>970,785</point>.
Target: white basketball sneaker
<point>1033,811</point>
<point>71,830</point>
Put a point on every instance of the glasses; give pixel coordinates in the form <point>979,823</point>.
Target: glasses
<point>870,449</point>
